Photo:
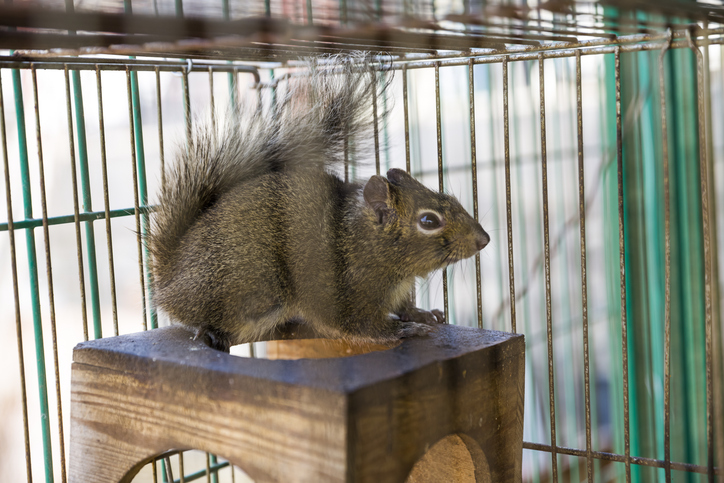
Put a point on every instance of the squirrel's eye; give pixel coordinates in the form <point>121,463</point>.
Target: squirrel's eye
<point>429,221</point>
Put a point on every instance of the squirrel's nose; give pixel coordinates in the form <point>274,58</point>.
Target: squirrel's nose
<point>482,239</point>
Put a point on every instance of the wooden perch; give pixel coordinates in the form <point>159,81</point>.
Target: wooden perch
<point>363,418</point>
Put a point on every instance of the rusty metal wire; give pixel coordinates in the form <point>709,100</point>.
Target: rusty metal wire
<point>425,48</point>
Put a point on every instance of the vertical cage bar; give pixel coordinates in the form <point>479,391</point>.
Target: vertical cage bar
<point>159,115</point>
<point>667,264</point>
<point>49,269</point>
<point>622,262</point>
<point>16,294</point>
<point>33,274</point>
<point>474,173</point>
<point>438,117</point>
<point>233,92</point>
<point>407,117</point>
<point>49,273</point>
<point>182,473</point>
<point>136,206</point>
<point>375,120</point>
<point>87,203</point>
<point>213,462</point>
<point>167,469</point>
<point>106,200</point>
<point>716,351</point>
<point>212,103</point>
<point>706,236</point>
<point>140,173</point>
<point>547,261</point>
<point>187,105</point>
<point>509,215</point>
<point>76,208</point>
<point>385,131</point>
<point>408,167</point>
<point>584,282</point>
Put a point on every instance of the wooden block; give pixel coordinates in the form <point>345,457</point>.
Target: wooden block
<point>363,418</point>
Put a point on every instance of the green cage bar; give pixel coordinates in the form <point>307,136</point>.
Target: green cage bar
<point>33,274</point>
<point>87,204</point>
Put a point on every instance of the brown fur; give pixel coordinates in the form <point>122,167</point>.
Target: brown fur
<point>255,231</point>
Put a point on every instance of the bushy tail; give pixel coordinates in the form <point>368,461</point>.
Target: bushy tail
<point>314,117</point>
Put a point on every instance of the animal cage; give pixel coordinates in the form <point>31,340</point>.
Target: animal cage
<point>585,136</point>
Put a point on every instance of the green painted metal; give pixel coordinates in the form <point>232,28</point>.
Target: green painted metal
<point>87,204</point>
<point>142,189</point>
<point>33,274</point>
<point>687,304</point>
<point>644,261</point>
<point>201,473</point>
<point>60,220</point>
<point>611,257</point>
<point>214,463</point>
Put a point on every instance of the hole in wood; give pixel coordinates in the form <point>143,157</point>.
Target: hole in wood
<point>309,349</point>
<point>454,458</point>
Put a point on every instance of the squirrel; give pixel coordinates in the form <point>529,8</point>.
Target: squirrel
<point>254,229</point>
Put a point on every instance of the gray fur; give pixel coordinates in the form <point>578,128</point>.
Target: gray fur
<point>255,230</point>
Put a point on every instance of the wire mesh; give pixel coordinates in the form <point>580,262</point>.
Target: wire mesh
<point>593,274</point>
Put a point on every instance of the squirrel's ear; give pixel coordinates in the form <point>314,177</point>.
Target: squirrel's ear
<point>377,197</point>
<point>399,177</point>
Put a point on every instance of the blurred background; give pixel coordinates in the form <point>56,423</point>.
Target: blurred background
<point>470,71</point>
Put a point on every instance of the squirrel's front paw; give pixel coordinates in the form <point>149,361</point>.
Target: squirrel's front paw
<point>412,329</point>
<point>432,317</point>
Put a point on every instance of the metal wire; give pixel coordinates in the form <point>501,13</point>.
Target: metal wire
<point>509,216</point>
<point>136,203</point>
<point>546,244</point>
<point>106,202</point>
<point>622,262</point>
<point>584,283</point>
<point>706,235</point>
<point>87,204</point>
<point>74,182</point>
<point>159,115</point>
<point>438,123</point>
<point>33,274</point>
<point>407,118</point>
<point>49,274</point>
<point>16,296</point>
<point>667,267</point>
<point>474,177</point>
<point>375,122</point>
<point>141,208</point>
<point>636,460</point>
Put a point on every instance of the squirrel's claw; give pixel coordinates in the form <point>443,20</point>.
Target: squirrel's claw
<point>412,329</point>
<point>213,339</point>
<point>432,317</point>
<point>439,315</point>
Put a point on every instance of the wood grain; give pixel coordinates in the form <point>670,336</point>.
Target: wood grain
<point>367,417</point>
